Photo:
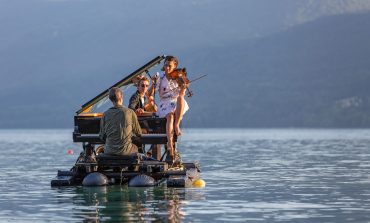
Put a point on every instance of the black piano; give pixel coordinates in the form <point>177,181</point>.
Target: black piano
<point>87,118</point>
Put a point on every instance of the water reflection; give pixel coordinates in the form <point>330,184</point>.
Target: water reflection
<point>251,175</point>
<point>127,204</point>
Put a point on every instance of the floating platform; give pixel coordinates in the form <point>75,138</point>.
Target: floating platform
<point>122,169</point>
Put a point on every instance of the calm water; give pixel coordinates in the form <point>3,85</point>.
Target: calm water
<point>251,175</point>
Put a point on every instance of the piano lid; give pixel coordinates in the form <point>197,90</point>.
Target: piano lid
<point>102,99</point>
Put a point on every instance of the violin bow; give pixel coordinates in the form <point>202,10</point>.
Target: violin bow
<point>198,78</point>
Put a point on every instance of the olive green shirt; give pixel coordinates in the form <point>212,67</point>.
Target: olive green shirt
<point>117,126</point>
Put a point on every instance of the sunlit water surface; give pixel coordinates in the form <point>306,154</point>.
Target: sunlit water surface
<point>264,175</point>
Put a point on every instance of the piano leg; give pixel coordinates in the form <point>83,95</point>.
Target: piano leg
<point>156,152</point>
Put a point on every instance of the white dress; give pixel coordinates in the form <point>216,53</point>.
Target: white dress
<point>168,93</point>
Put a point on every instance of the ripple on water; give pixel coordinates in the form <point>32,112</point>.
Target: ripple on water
<point>251,175</point>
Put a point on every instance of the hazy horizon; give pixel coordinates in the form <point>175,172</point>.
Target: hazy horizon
<point>269,63</point>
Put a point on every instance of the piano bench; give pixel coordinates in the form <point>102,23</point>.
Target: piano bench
<point>112,161</point>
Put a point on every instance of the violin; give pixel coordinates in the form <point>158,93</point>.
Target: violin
<point>181,78</point>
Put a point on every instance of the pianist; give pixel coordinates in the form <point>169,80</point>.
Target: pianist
<point>117,126</point>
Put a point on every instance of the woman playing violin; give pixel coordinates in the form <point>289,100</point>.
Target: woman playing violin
<point>172,104</point>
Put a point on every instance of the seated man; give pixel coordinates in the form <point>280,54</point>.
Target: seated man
<point>117,126</point>
<point>139,102</point>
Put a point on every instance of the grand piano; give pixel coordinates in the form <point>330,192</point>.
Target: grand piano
<point>119,168</point>
<point>87,118</point>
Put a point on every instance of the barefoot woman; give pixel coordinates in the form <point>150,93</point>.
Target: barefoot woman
<point>172,104</point>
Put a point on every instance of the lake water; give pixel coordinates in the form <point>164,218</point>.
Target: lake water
<point>254,175</point>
